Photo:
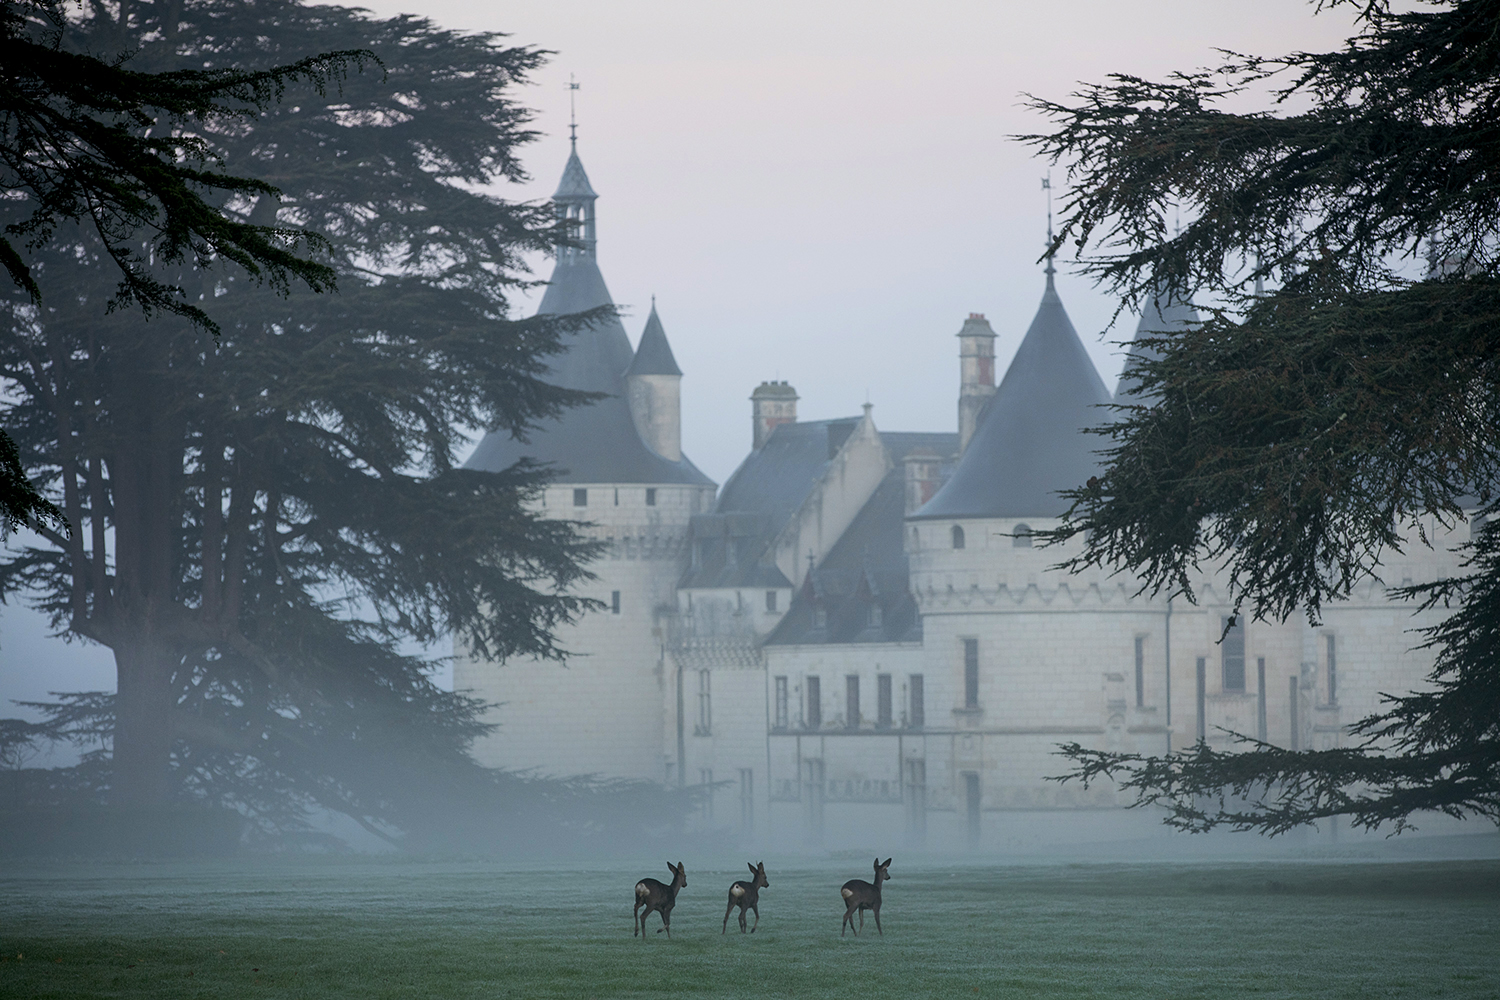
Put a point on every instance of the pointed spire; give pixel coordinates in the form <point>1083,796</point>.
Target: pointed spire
<point>653,356</point>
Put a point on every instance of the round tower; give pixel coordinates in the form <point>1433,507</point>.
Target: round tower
<point>653,386</point>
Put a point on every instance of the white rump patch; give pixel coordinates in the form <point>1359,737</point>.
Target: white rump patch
<point>641,890</point>
<point>846,893</point>
<point>737,891</point>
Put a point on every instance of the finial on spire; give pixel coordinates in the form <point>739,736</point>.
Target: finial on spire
<point>1047,187</point>
<point>572,112</point>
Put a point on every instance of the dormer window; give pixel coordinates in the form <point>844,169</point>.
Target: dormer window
<point>877,616</point>
<point>958,537</point>
<point>820,617</point>
<point>1021,536</point>
<point>580,498</point>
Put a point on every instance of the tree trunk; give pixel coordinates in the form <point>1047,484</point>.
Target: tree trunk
<point>143,724</point>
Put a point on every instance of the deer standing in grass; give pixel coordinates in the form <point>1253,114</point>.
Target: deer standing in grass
<point>861,895</point>
<point>653,895</point>
<point>747,895</point>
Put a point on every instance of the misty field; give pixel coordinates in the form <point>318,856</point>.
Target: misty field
<point>394,928</point>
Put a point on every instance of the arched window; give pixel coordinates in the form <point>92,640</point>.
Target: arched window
<point>1021,536</point>
<point>958,537</point>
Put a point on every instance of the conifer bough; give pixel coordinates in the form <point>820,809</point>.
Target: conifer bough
<point>1298,436</point>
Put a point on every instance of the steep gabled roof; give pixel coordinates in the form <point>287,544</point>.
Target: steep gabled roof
<point>1029,443</point>
<point>759,499</point>
<point>866,567</point>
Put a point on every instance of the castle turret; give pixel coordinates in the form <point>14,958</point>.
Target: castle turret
<point>771,405</point>
<point>976,384</point>
<point>653,384</point>
<point>1030,444</point>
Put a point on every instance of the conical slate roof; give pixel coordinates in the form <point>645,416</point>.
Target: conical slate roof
<point>1029,443</point>
<point>575,180</point>
<point>1161,315</point>
<point>596,442</point>
<point>653,355</point>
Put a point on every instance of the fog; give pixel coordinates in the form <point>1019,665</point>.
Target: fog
<point>821,196</point>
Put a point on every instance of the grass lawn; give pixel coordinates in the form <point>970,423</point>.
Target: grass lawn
<point>401,928</point>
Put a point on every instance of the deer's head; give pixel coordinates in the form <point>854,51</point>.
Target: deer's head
<point>881,875</point>
<point>759,873</point>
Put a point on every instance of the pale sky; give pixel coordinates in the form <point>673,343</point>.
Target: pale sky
<point>814,192</point>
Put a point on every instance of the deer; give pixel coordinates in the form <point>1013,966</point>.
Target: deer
<point>747,895</point>
<point>861,895</point>
<point>653,895</point>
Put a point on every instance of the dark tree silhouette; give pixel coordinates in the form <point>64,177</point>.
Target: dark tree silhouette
<point>1299,435</point>
<point>262,517</point>
<point>85,140</point>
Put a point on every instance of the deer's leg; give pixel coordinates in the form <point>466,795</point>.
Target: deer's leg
<point>877,920</point>
<point>635,920</point>
<point>742,920</point>
<point>666,921</point>
<point>756,908</point>
<point>727,910</point>
<point>861,918</point>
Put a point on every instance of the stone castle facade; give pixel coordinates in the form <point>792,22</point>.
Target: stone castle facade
<point>854,640</point>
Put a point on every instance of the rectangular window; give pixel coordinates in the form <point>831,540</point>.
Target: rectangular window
<point>781,703</point>
<point>1232,654</point>
<point>1333,673</point>
<point>971,795</point>
<point>617,496</point>
<point>813,713</point>
<point>747,799</point>
<point>971,673</point>
<point>1140,671</point>
<point>651,496</point>
<point>614,602</point>
<point>1202,671</point>
<point>883,700</point>
<point>580,498</point>
<point>918,708</point>
<point>1294,741</point>
<point>770,600</point>
<point>1260,698</point>
<point>851,701</point>
<point>705,705</point>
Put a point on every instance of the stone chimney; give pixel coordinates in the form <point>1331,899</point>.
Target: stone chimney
<point>976,384</point>
<point>771,405</point>
<point>923,472</point>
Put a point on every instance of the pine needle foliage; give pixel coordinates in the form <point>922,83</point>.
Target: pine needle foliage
<point>1300,436</point>
<point>263,518</point>
<point>123,151</point>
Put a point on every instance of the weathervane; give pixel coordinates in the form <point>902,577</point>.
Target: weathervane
<point>572,111</point>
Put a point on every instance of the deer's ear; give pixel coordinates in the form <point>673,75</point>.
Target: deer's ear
<point>671,868</point>
<point>751,867</point>
<point>887,863</point>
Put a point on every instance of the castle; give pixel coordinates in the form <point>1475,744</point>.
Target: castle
<point>855,639</point>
